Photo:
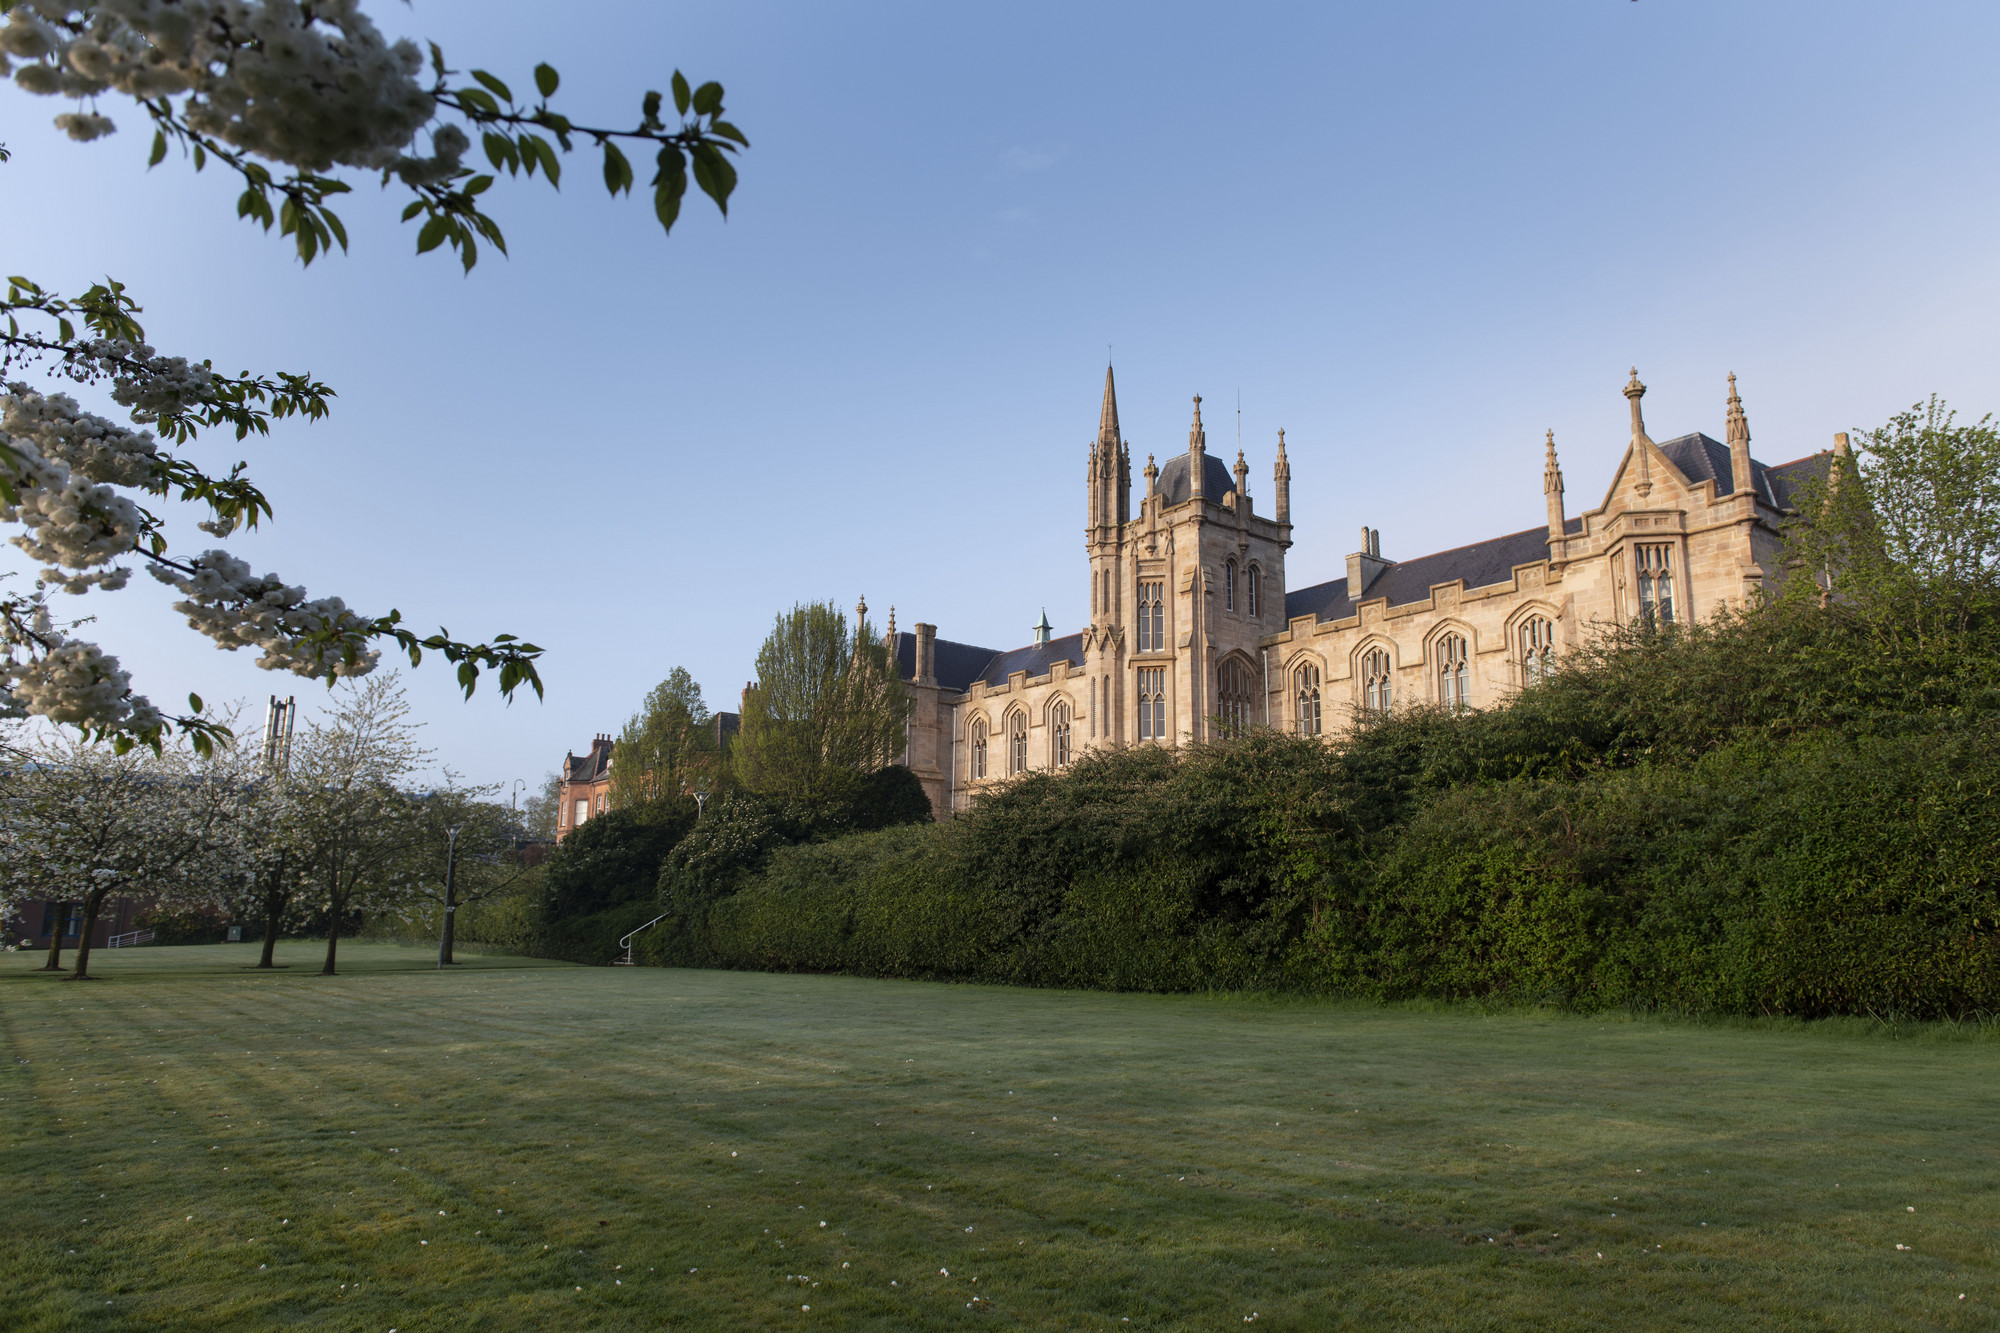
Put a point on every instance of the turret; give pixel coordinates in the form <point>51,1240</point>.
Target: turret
<point>1739,442</point>
<point>1242,483</point>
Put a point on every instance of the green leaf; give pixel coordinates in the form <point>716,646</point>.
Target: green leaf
<point>708,99</point>
<point>728,131</point>
<point>437,60</point>
<point>433,234</point>
<point>194,703</point>
<point>335,225</point>
<point>416,207</point>
<point>200,158</point>
<point>550,163</point>
<point>480,98</point>
<point>681,93</point>
<point>159,148</point>
<point>497,149</point>
<point>65,330</point>
<point>714,174</point>
<point>617,171</point>
<point>667,201</point>
<point>546,79</point>
<point>493,83</point>
<point>479,185</point>
<point>650,107</point>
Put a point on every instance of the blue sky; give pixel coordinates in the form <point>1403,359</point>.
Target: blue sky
<point>1415,236</point>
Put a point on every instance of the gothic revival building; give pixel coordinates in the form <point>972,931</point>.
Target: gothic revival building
<point>1195,627</point>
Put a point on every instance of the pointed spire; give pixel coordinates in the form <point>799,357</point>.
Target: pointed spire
<point>1107,417</point>
<point>889,635</point>
<point>1281,476</point>
<point>1738,433</point>
<point>1634,391</point>
<point>1197,437</point>
<point>1552,489</point>
<point>1152,475</point>
<point>1197,453</point>
<point>1043,629</point>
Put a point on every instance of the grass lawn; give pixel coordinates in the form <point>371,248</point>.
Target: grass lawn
<point>516,1144</point>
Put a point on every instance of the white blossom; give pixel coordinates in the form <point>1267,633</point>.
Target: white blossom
<point>239,608</point>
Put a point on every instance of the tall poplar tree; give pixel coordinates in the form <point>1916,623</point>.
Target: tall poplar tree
<point>827,708</point>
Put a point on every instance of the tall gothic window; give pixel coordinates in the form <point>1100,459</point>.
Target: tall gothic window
<point>1305,700</point>
<point>1655,565</point>
<point>1236,692</point>
<point>1059,735</point>
<point>1017,743</point>
<point>1378,688</point>
<point>1229,585</point>
<point>979,748</point>
<point>1538,648</point>
<point>1256,591</point>
<point>1152,703</point>
<point>1152,617</point>
<point>1454,672</point>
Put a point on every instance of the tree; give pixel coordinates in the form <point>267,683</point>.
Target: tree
<point>86,823</point>
<point>828,706</point>
<point>317,91</point>
<point>1904,533</point>
<point>353,823</point>
<point>459,851</point>
<point>665,747</point>
<point>538,812</point>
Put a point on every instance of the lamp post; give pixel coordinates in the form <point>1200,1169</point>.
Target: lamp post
<point>450,867</point>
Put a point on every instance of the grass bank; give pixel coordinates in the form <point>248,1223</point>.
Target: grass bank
<point>519,1144</point>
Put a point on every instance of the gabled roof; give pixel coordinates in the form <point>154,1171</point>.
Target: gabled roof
<point>1035,659</point>
<point>1783,480</point>
<point>1406,581</point>
<point>591,766</point>
<point>958,664</point>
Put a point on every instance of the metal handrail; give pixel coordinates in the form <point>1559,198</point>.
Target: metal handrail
<point>627,941</point>
<point>129,938</point>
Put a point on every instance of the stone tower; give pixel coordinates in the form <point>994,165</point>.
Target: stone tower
<point>1110,500</point>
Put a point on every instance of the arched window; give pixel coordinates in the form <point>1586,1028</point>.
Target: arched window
<point>1017,743</point>
<point>1229,585</point>
<point>1305,700</point>
<point>1152,703</point>
<point>1656,584</point>
<point>1059,735</point>
<point>1538,649</point>
<point>1256,591</point>
<point>1454,672</point>
<point>1378,688</point>
<point>978,748</point>
<point>1152,617</point>
<point>1236,691</point>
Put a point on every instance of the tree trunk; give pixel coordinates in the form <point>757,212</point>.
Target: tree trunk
<point>450,929</point>
<point>274,912</point>
<point>91,904</point>
<point>332,936</point>
<point>55,943</point>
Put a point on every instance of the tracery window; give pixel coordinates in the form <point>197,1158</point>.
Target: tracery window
<point>1305,700</point>
<point>1454,672</point>
<point>1236,692</point>
<point>1152,703</point>
<point>1538,648</point>
<point>1152,617</point>
<point>1655,565</point>
<point>1059,735</point>
<point>1378,688</point>
<point>1017,743</point>
<point>979,748</point>
<point>1255,588</point>
<point>1229,585</point>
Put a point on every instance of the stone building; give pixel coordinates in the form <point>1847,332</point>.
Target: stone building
<point>1196,628</point>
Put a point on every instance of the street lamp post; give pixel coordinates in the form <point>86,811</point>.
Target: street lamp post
<point>450,907</point>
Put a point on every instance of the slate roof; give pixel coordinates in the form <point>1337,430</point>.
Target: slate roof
<point>958,664</point>
<point>1784,479</point>
<point>592,765</point>
<point>1701,459</point>
<point>1173,481</point>
<point>1035,659</point>
<point>1406,581</point>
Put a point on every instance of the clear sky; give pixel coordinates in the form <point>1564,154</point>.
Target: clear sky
<point>1414,235</point>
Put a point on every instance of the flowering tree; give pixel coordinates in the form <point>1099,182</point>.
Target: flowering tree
<point>349,819</point>
<point>86,823</point>
<point>315,90</point>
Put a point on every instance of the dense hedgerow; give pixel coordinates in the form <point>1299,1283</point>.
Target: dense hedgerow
<point>1770,813</point>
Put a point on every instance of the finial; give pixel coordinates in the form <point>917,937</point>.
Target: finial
<point>1633,389</point>
<point>1552,446</point>
<point>892,621</point>
<point>861,607</point>
<point>1281,439</point>
<point>1239,459</point>
<point>1732,386</point>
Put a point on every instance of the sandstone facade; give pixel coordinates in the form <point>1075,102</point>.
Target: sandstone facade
<point>1195,628</point>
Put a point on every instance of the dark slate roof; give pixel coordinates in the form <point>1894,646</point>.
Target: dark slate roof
<point>1035,659</point>
<point>1173,482</point>
<point>1479,564</point>
<point>1782,481</point>
<point>591,765</point>
<point>958,664</point>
